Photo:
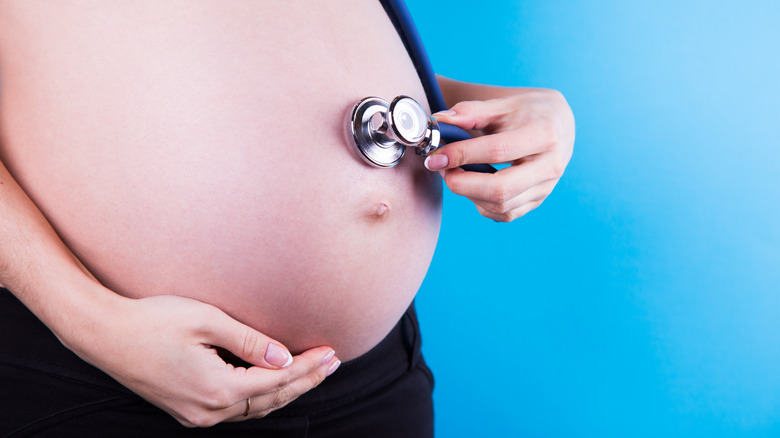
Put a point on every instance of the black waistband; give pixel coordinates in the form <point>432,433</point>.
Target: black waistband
<point>28,343</point>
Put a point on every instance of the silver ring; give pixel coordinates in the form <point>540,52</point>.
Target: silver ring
<point>248,402</point>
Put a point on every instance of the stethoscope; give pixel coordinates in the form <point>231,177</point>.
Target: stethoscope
<point>381,132</point>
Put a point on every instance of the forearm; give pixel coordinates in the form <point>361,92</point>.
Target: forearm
<point>39,268</point>
<point>458,91</point>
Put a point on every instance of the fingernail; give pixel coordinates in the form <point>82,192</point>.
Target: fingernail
<point>332,369</point>
<point>328,356</point>
<point>445,113</point>
<point>436,161</point>
<point>278,356</point>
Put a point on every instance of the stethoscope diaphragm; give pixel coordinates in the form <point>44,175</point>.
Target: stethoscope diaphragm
<point>381,132</point>
<point>365,123</point>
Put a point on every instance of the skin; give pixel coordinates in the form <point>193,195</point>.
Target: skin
<point>154,204</point>
<point>210,172</point>
<point>126,308</point>
<point>531,129</point>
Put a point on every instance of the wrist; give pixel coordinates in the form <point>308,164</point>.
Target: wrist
<point>76,308</point>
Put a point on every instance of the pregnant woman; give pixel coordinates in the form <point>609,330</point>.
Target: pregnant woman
<point>180,208</point>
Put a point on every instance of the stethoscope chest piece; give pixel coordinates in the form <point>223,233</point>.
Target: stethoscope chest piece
<point>368,128</point>
<point>381,132</point>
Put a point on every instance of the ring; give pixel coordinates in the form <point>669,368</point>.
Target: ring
<point>248,402</point>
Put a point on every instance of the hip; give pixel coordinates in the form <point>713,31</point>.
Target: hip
<point>51,392</point>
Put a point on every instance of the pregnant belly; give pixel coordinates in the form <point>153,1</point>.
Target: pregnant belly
<point>201,154</point>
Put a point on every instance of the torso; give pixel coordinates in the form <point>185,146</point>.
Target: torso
<point>196,148</point>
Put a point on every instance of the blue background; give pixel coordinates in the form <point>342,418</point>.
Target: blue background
<point>642,298</point>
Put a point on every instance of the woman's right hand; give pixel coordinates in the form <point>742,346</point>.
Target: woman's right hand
<point>163,349</point>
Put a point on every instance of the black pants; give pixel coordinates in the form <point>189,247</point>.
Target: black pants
<point>47,391</point>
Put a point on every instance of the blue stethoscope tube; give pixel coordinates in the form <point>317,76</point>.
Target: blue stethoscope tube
<point>402,20</point>
<point>451,133</point>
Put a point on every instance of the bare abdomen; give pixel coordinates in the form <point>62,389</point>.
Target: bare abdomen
<point>196,149</point>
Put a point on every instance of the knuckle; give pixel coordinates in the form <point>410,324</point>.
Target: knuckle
<point>465,107</point>
<point>495,208</point>
<point>468,108</point>
<point>280,397</point>
<point>457,157</point>
<point>316,379</point>
<point>200,419</point>
<point>499,193</point>
<point>554,95</point>
<point>547,93</point>
<point>548,136</point>
<point>502,208</point>
<point>504,217</point>
<point>184,421</point>
<point>217,398</point>
<point>286,378</point>
<point>542,130</point>
<point>250,344</point>
<point>514,214</point>
<point>556,169</point>
<point>498,152</point>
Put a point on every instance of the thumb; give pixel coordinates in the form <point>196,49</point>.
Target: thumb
<point>248,344</point>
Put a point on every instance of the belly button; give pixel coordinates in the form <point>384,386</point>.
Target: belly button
<point>379,211</point>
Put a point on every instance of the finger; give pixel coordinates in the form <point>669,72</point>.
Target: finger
<point>256,381</point>
<point>474,114</point>
<point>243,410</point>
<point>246,343</point>
<point>514,214</point>
<point>503,185</point>
<point>307,372</point>
<point>501,147</point>
<point>284,396</point>
<point>513,209</point>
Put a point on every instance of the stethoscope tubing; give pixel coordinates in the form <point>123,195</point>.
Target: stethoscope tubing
<point>402,19</point>
<point>451,133</point>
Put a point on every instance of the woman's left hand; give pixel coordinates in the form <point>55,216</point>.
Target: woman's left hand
<point>531,129</point>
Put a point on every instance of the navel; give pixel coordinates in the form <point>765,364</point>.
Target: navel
<point>378,211</point>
